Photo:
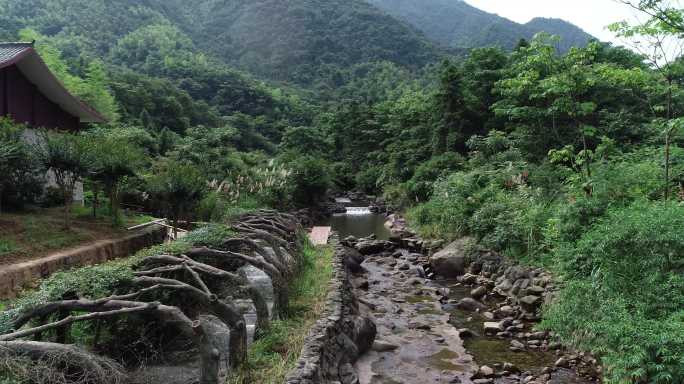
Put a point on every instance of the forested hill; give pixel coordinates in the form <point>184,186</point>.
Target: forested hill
<point>457,24</point>
<point>299,40</point>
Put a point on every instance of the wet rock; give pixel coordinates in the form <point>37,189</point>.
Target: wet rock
<point>469,304</point>
<point>348,374</point>
<point>504,286</point>
<point>404,267</point>
<point>510,368</point>
<point>362,284</point>
<point>505,311</point>
<point>465,333</point>
<point>478,293</point>
<point>468,279</point>
<point>353,260</point>
<point>381,346</point>
<point>369,247</point>
<point>488,315</point>
<point>419,325</point>
<point>451,261</point>
<point>483,381</point>
<point>517,346</point>
<point>562,363</point>
<point>537,336</point>
<point>364,333</point>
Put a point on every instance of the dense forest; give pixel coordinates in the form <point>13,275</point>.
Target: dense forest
<point>556,151</point>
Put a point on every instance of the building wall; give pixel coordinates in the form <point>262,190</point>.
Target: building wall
<point>22,100</point>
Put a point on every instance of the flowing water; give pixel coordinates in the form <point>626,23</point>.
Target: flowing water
<point>359,222</point>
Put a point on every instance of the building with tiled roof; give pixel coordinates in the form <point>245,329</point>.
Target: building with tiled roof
<point>31,94</point>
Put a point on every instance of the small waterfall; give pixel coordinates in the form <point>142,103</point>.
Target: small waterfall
<point>358,211</point>
<point>343,200</point>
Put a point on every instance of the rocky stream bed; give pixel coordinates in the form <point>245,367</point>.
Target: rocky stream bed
<point>447,318</point>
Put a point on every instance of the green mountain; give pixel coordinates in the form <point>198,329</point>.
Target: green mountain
<point>454,23</point>
<point>298,40</point>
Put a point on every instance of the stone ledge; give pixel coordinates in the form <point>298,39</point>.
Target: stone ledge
<point>14,278</point>
<point>330,348</point>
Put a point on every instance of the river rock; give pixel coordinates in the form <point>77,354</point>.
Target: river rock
<point>478,293</point>
<point>381,346</point>
<point>510,368</point>
<point>348,374</point>
<point>485,371</point>
<point>517,346</point>
<point>535,290</point>
<point>353,260</point>
<point>530,303</point>
<point>364,333</point>
<point>493,327</point>
<point>451,261</point>
<point>505,311</point>
<point>369,247</point>
<point>562,363</point>
<point>469,304</point>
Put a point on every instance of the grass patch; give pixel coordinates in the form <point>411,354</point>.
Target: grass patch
<point>29,235</point>
<point>275,354</point>
<point>7,246</point>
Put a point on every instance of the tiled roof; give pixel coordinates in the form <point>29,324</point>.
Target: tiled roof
<point>37,72</point>
<point>9,51</point>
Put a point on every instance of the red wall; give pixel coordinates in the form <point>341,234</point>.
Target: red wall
<point>3,99</point>
<point>21,99</point>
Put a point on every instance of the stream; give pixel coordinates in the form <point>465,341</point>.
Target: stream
<point>422,337</point>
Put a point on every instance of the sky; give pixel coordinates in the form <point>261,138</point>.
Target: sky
<point>591,15</point>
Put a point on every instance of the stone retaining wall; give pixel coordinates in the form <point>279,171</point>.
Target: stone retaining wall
<point>336,341</point>
<point>14,278</point>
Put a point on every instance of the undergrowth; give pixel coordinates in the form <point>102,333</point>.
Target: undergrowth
<point>275,354</point>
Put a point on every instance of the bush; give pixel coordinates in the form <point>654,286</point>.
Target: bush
<point>368,180</point>
<point>419,187</point>
<point>455,200</point>
<point>310,180</point>
<point>624,293</point>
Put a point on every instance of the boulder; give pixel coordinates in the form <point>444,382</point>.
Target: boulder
<point>478,293</point>
<point>451,261</point>
<point>369,247</point>
<point>530,303</point>
<point>517,346</point>
<point>469,304</point>
<point>353,260</point>
<point>381,346</point>
<point>485,371</point>
<point>364,333</point>
<point>348,374</point>
<point>493,327</point>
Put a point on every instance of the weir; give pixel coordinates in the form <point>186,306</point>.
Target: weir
<point>358,211</point>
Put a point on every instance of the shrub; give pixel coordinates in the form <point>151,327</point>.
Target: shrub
<point>419,187</point>
<point>624,293</point>
<point>310,180</point>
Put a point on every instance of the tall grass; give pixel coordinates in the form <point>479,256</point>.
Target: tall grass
<point>275,354</point>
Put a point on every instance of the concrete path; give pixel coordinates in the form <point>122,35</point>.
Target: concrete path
<point>319,235</point>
